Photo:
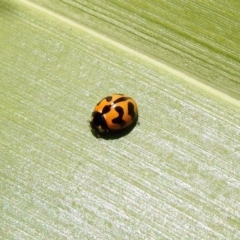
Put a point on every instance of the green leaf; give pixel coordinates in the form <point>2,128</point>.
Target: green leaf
<point>175,176</point>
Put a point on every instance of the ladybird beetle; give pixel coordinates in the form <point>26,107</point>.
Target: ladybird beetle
<point>113,114</point>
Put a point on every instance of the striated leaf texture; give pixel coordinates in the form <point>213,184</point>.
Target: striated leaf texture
<point>175,176</point>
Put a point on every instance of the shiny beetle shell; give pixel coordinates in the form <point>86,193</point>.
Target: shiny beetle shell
<point>114,113</point>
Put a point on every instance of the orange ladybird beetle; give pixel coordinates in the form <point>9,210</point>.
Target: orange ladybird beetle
<point>113,114</point>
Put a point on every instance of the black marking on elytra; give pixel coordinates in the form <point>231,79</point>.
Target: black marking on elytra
<point>121,99</point>
<point>109,98</point>
<point>116,134</point>
<point>131,110</point>
<point>119,120</point>
<point>106,109</point>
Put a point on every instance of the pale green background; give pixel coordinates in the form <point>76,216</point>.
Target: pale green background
<point>175,176</point>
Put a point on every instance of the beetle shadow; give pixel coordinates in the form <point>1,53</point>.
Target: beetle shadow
<point>116,134</point>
